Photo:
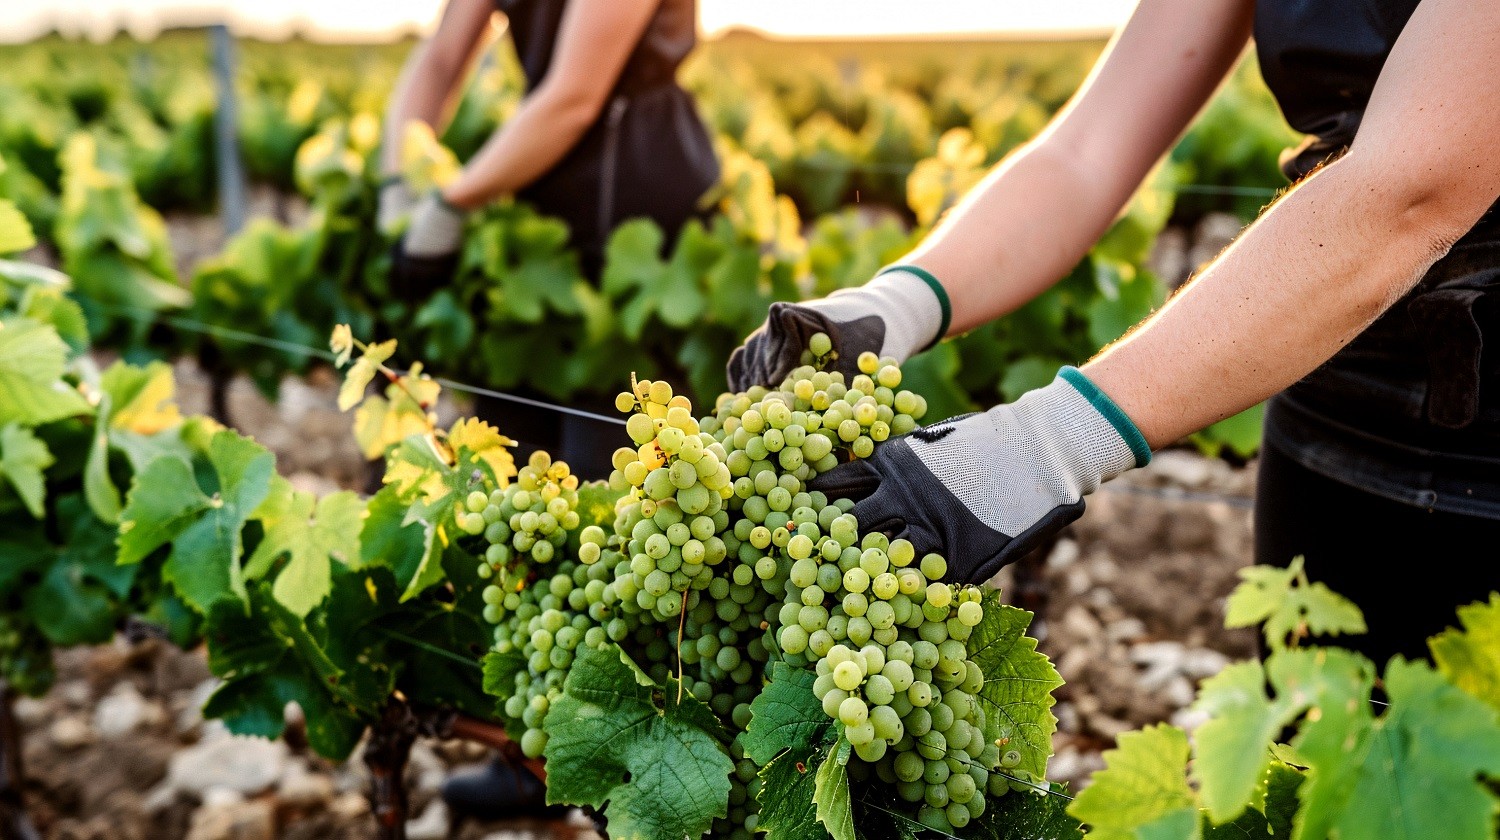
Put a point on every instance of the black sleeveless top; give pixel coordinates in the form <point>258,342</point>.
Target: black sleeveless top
<point>647,155</point>
<point>1410,409</point>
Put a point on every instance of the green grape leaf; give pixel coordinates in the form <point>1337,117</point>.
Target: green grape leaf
<point>1289,605</point>
<point>660,763</point>
<point>98,487</point>
<point>1231,747</point>
<point>835,809</point>
<point>32,359</point>
<point>1272,818</point>
<point>786,715</point>
<point>1134,297</point>
<point>1470,658</point>
<point>788,785</point>
<point>77,600</point>
<point>1144,783</point>
<point>311,540</point>
<point>1026,816</point>
<point>23,457</point>
<point>268,658</point>
<point>1018,683</point>
<point>167,505</point>
<point>387,539</point>
<point>1417,772</point>
<point>15,231</point>
<point>49,306</point>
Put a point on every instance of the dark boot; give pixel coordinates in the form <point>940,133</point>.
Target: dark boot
<point>498,791</point>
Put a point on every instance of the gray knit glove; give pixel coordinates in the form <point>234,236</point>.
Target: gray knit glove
<point>395,201</point>
<point>901,312</point>
<point>436,229</point>
<point>983,489</point>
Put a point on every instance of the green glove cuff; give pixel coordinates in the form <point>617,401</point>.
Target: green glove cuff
<point>1112,412</point>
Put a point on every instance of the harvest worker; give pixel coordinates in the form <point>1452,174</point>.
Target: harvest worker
<point>1359,303</point>
<point>603,134</point>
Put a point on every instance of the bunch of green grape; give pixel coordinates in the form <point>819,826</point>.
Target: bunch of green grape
<point>552,618</point>
<point>889,640</point>
<point>678,484</point>
<point>524,523</point>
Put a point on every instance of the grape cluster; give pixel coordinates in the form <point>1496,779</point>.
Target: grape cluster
<point>524,523</point>
<point>551,620</point>
<point>720,557</point>
<point>676,509</point>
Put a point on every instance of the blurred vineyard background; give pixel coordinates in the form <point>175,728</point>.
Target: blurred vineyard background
<point>837,156</point>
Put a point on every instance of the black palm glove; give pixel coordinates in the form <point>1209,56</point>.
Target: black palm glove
<point>900,312</point>
<point>984,489</point>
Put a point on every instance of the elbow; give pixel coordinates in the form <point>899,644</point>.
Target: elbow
<point>1420,211</point>
<point>571,108</point>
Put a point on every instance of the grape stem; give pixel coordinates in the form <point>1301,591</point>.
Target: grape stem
<point>681,625</point>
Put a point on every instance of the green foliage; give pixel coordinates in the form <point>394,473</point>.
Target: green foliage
<point>200,513</point>
<point>1018,684</point>
<point>656,758</point>
<point>1470,658</point>
<point>1291,607</point>
<point>1142,794</point>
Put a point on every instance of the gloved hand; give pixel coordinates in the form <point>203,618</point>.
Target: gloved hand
<point>394,202</point>
<point>983,489</point>
<point>902,311</point>
<point>426,256</point>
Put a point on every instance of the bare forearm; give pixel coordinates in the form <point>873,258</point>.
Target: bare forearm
<point>1296,287</point>
<point>1017,233</point>
<point>420,96</point>
<point>543,130</point>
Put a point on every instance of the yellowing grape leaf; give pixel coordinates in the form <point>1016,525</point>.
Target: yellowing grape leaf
<point>425,162</point>
<point>141,398</point>
<point>358,377</point>
<point>22,458</point>
<point>1470,658</point>
<point>1142,789</point>
<point>311,534</point>
<point>15,231</point>
<point>379,423</point>
<point>659,763</point>
<point>475,442</point>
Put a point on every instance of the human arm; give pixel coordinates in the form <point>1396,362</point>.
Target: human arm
<point>594,42</point>
<point>429,80</point>
<point>1316,269</point>
<point>1337,251</point>
<point>1037,213</point>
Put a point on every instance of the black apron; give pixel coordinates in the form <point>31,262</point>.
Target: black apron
<point>1409,410</point>
<point>648,155</point>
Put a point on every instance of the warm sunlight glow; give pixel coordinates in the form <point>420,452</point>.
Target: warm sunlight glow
<point>364,20</point>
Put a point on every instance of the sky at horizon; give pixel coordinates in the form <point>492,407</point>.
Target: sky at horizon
<point>365,20</point>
